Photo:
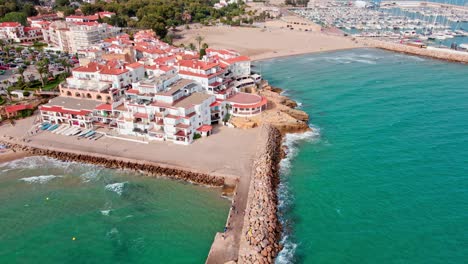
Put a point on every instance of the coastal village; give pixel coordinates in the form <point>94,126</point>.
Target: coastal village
<point>190,107</point>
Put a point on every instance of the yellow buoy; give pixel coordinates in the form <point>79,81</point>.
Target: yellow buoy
<point>74,238</point>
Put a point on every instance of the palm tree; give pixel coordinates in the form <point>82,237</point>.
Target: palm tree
<point>7,51</point>
<point>186,17</point>
<point>199,39</point>
<point>191,46</point>
<point>204,46</point>
<point>19,49</point>
<point>66,64</point>
<point>21,72</point>
<point>2,44</point>
<point>42,68</point>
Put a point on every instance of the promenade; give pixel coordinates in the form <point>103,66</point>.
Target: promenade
<point>228,152</point>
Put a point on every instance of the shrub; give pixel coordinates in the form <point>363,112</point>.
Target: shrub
<point>196,136</point>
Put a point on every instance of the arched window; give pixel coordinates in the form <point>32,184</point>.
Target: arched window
<point>98,97</point>
<point>88,95</point>
<point>69,93</point>
<point>77,94</point>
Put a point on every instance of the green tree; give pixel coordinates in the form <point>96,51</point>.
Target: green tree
<point>62,2</point>
<point>29,10</point>
<point>66,64</point>
<point>191,46</point>
<point>15,17</point>
<point>42,68</point>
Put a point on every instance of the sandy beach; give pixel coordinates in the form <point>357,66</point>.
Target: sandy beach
<point>12,155</point>
<point>271,41</point>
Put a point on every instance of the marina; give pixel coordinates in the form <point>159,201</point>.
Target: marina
<point>432,24</point>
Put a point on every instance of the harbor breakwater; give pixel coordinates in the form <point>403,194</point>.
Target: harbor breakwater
<point>148,168</point>
<point>441,54</point>
<point>261,230</point>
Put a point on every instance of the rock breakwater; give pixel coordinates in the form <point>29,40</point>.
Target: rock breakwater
<point>148,168</point>
<point>261,230</point>
<point>441,54</point>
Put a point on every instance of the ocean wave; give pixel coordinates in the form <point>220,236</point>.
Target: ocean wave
<point>40,179</point>
<point>116,187</point>
<point>91,174</point>
<point>35,162</point>
<point>292,141</point>
<point>285,199</point>
<point>105,212</point>
<point>351,58</point>
<point>286,255</point>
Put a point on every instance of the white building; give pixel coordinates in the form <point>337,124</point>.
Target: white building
<point>15,32</point>
<point>75,36</point>
<point>167,108</point>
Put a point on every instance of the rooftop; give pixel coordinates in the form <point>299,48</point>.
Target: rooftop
<point>72,103</point>
<point>175,87</point>
<point>191,100</point>
<point>244,98</point>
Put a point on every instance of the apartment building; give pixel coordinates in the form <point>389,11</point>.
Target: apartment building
<point>75,36</point>
<point>14,32</point>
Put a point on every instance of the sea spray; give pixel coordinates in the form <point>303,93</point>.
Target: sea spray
<point>117,187</point>
<point>285,199</point>
<point>40,179</point>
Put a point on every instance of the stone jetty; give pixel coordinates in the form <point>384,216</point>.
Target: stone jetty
<point>262,230</point>
<point>448,55</point>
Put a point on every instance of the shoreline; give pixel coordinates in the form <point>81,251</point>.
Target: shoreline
<point>12,155</point>
<point>150,168</point>
<point>303,53</point>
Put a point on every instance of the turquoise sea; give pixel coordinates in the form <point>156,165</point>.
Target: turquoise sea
<point>114,216</point>
<point>384,176</point>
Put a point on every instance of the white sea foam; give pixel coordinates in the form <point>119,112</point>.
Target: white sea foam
<point>286,255</point>
<point>91,174</point>
<point>291,143</point>
<point>285,199</point>
<point>105,212</point>
<point>116,187</point>
<point>352,58</point>
<point>40,179</point>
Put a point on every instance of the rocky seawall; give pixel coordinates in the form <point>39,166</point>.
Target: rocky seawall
<point>148,168</point>
<point>261,230</point>
<point>435,53</point>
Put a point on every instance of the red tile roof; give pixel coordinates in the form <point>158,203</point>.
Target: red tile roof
<point>10,24</point>
<point>59,109</point>
<point>180,134</point>
<point>238,59</point>
<point>106,107</point>
<point>134,65</point>
<point>205,128</point>
<point>215,103</point>
<point>197,64</point>
<point>181,125</point>
<point>140,115</point>
<point>15,108</point>
<point>263,102</point>
<point>132,91</point>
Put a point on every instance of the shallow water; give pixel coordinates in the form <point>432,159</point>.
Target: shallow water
<point>384,177</point>
<point>114,216</point>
